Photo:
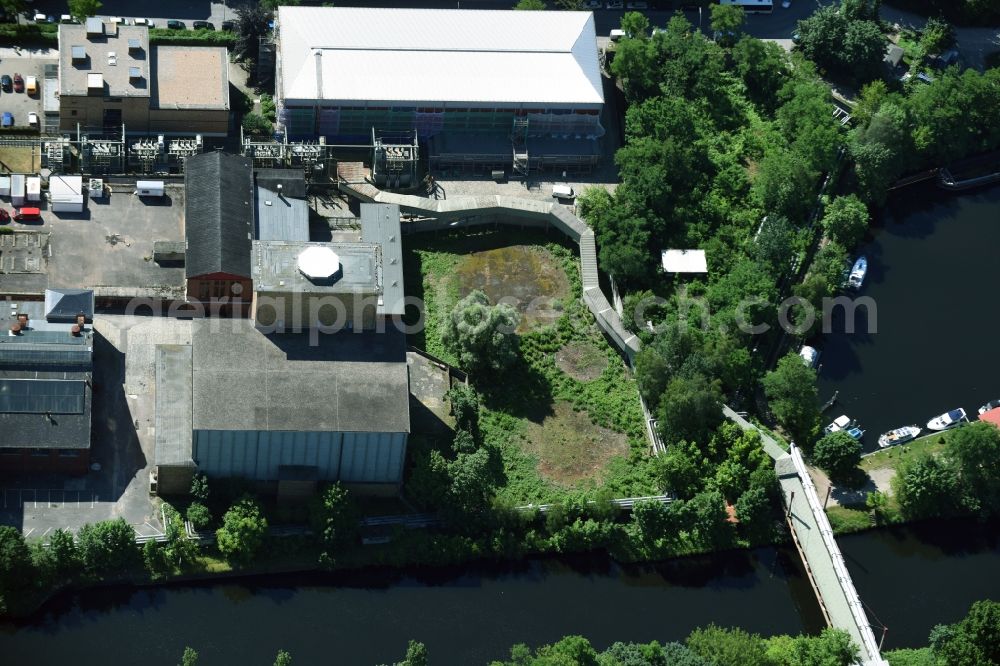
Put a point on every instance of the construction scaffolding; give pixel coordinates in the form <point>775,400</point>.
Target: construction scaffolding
<point>395,156</point>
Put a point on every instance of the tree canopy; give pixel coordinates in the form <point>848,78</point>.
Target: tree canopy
<point>480,335</point>
<point>838,454</point>
<point>242,533</point>
<point>792,396</point>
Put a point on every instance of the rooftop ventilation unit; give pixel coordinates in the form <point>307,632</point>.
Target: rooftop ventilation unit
<point>112,58</point>
<point>134,45</point>
<point>79,53</point>
<point>95,27</point>
<point>95,82</point>
<point>134,73</point>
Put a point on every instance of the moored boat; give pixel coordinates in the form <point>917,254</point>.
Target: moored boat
<point>992,404</point>
<point>842,422</point>
<point>947,420</point>
<point>858,273</point>
<point>899,436</point>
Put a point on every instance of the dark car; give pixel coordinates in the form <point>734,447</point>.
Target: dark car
<point>202,25</point>
<point>228,25</point>
<point>6,83</point>
<point>174,24</point>
<point>18,83</point>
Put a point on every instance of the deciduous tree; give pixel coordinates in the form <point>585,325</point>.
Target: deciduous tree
<point>793,398</point>
<point>690,409</point>
<point>242,533</point>
<point>81,9</point>
<point>838,454</point>
<point>481,336</point>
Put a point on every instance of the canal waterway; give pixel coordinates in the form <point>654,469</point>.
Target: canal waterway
<point>466,618</point>
<point>933,274</point>
<point>911,579</point>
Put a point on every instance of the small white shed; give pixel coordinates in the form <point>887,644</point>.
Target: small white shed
<point>149,188</point>
<point>66,194</point>
<point>33,188</point>
<point>684,261</point>
<point>17,189</point>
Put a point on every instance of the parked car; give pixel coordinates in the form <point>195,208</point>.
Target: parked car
<point>615,4</point>
<point>638,4</point>
<point>28,213</point>
<point>66,18</point>
<point>231,25</point>
<point>593,4</point>
<point>18,83</point>
<point>119,20</point>
<point>7,119</point>
<point>174,24</point>
<point>202,25</point>
<point>42,18</point>
<point>32,119</point>
<point>4,216</point>
<point>143,21</point>
<point>31,85</point>
<point>6,83</point>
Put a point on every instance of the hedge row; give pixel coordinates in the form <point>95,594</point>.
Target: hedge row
<point>206,37</point>
<point>46,34</point>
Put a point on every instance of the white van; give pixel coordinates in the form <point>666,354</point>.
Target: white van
<point>616,34</point>
<point>562,192</point>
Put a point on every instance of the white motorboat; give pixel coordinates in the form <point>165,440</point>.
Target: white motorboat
<point>858,273</point>
<point>842,422</point>
<point>810,356</point>
<point>899,436</point>
<point>992,404</point>
<point>947,420</point>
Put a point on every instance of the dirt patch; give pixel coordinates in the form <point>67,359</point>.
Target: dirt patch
<point>570,448</point>
<point>529,278</point>
<point>18,159</point>
<point>582,361</point>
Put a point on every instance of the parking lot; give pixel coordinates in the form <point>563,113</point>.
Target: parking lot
<point>109,246</point>
<point>26,62</point>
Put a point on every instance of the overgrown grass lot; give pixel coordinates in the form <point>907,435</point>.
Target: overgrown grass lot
<point>565,418</point>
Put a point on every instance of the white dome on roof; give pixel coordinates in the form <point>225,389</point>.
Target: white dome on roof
<point>318,263</point>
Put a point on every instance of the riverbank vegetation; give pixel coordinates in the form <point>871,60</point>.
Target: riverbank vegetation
<point>950,474</point>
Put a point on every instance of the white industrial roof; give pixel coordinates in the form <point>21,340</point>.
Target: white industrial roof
<point>685,261</point>
<point>438,55</point>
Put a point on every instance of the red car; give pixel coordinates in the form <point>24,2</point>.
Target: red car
<point>18,83</point>
<point>28,214</point>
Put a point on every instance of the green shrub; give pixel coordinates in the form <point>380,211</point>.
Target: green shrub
<point>267,108</point>
<point>199,515</point>
<point>254,123</point>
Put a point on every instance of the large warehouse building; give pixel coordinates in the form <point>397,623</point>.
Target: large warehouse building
<point>472,84</point>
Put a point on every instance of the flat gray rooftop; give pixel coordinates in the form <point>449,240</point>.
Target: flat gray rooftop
<point>345,382</point>
<point>173,404</point>
<point>380,225</point>
<point>275,267</point>
<point>280,217</point>
<point>108,55</point>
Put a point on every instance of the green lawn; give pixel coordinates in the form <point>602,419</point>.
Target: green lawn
<point>566,417</point>
<point>893,457</point>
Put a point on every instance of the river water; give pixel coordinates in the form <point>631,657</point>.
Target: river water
<point>933,273</point>
<point>910,578</point>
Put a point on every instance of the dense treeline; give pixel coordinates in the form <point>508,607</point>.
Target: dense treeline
<point>725,150</point>
<point>927,125</point>
<point>964,478</point>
